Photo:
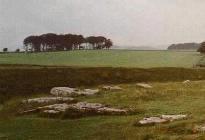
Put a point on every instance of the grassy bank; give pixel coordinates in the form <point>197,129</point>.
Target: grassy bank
<point>106,58</point>
<point>25,80</point>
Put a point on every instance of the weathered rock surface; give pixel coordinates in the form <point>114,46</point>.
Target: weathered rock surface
<point>161,119</point>
<point>152,120</point>
<point>82,108</point>
<point>87,92</point>
<point>49,100</point>
<point>55,107</point>
<point>143,85</point>
<point>62,91</point>
<point>66,91</point>
<point>174,117</point>
<point>111,88</point>
<point>199,129</point>
<point>186,82</point>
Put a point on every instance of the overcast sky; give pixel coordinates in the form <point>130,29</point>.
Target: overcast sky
<point>126,22</point>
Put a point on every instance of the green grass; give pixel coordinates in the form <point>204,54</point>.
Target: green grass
<point>106,58</point>
<point>164,98</point>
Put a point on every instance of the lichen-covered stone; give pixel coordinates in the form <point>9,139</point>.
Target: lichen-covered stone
<point>152,120</point>
<point>83,109</point>
<point>72,92</point>
<point>173,117</point>
<point>143,85</point>
<point>49,100</point>
<point>111,88</point>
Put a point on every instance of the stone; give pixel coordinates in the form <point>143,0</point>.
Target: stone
<point>161,119</point>
<point>199,129</point>
<point>82,108</point>
<point>143,85</point>
<point>173,117</point>
<point>87,92</point>
<point>85,105</point>
<point>186,81</point>
<point>111,88</point>
<point>66,91</point>
<point>114,111</point>
<point>63,91</point>
<point>56,107</point>
<point>49,100</point>
<point>152,120</point>
<point>51,111</point>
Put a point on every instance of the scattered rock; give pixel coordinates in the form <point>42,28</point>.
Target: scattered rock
<point>87,92</point>
<point>152,121</point>
<point>186,81</point>
<point>143,85</point>
<point>111,88</point>
<point>114,111</point>
<point>199,129</point>
<point>55,107</point>
<point>161,119</point>
<point>66,91</point>
<point>82,109</point>
<point>174,117</point>
<point>51,111</point>
<point>62,91</point>
<point>49,100</point>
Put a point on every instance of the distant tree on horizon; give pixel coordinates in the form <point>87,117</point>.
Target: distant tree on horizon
<point>5,49</point>
<point>54,42</point>
<point>17,50</point>
<point>202,48</point>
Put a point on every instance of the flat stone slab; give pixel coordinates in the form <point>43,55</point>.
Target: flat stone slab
<point>199,129</point>
<point>186,81</point>
<point>143,85</point>
<point>152,120</point>
<point>111,88</point>
<point>82,108</point>
<point>72,92</point>
<point>174,117</point>
<point>55,107</point>
<point>49,100</point>
<point>161,119</point>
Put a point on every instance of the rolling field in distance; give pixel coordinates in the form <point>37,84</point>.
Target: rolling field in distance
<point>106,58</point>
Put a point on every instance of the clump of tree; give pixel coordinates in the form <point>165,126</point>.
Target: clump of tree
<point>5,49</point>
<point>62,42</point>
<point>202,48</point>
<point>17,50</point>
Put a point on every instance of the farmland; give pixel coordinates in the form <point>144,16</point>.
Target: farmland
<point>106,58</point>
<point>165,71</point>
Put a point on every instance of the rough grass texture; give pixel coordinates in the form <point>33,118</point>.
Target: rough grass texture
<point>106,58</point>
<point>26,80</point>
<point>164,98</point>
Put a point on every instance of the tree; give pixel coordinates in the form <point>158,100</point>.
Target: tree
<point>17,50</point>
<point>54,42</point>
<point>202,48</point>
<point>108,43</point>
<point>5,49</point>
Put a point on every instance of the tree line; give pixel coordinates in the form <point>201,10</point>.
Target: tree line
<point>61,42</point>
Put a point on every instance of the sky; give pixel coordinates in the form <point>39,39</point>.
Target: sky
<point>126,22</point>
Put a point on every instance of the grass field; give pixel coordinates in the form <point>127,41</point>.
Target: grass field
<point>106,58</point>
<point>164,98</point>
<point>168,95</point>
